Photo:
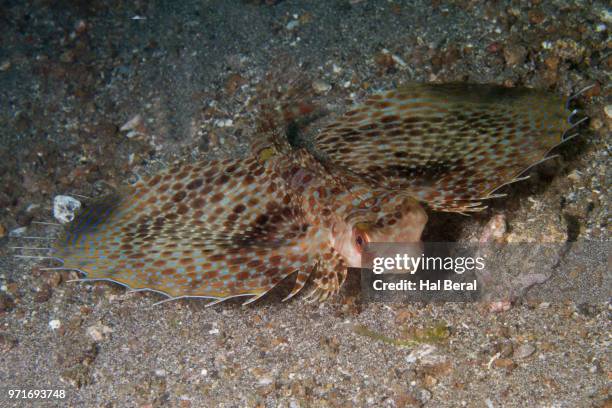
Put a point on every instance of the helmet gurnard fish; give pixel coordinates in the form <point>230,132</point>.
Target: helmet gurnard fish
<point>238,227</point>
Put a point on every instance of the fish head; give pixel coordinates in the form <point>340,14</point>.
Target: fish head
<point>404,224</point>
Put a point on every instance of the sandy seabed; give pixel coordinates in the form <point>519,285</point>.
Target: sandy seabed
<point>179,79</point>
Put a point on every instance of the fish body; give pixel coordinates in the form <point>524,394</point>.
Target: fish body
<point>238,227</point>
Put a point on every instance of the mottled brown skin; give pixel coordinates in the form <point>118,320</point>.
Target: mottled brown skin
<point>233,228</point>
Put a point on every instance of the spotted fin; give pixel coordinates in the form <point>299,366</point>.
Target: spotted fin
<point>214,230</point>
<point>449,145</point>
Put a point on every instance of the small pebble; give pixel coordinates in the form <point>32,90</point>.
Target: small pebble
<point>18,232</point>
<point>595,368</point>
<point>595,124</point>
<point>420,353</point>
<point>399,61</point>
<point>587,310</point>
<point>224,123</point>
<point>606,15</point>
<point>265,381</point>
<point>65,208</point>
<point>514,55</point>
<point>52,279</point>
<point>574,176</point>
<point>54,324</point>
<point>80,27</point>
<point>2,231</point>
<point>523,351</point>
<point>7,342</point>
<point>608,111</point>
<point>6,303</point>
<point>552,62</point>
<point>321,86</point>
<point>43,294</point>
<point>506,363</point>
<point>32,207</point>
<point>423,395</point>
<point>500,306</point>
<point>430,381</point>
<point>68,56</point>
<point>494,47</point>
<point>98,331</point>
<point>494,230</point>
<point>505,349</point>
<point>131,124</point>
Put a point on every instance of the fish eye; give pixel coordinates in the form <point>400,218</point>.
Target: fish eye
<point>360,239</point>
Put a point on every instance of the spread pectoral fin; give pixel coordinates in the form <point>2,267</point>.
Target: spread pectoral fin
<point>448,145</point>
<point>216,230</point>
